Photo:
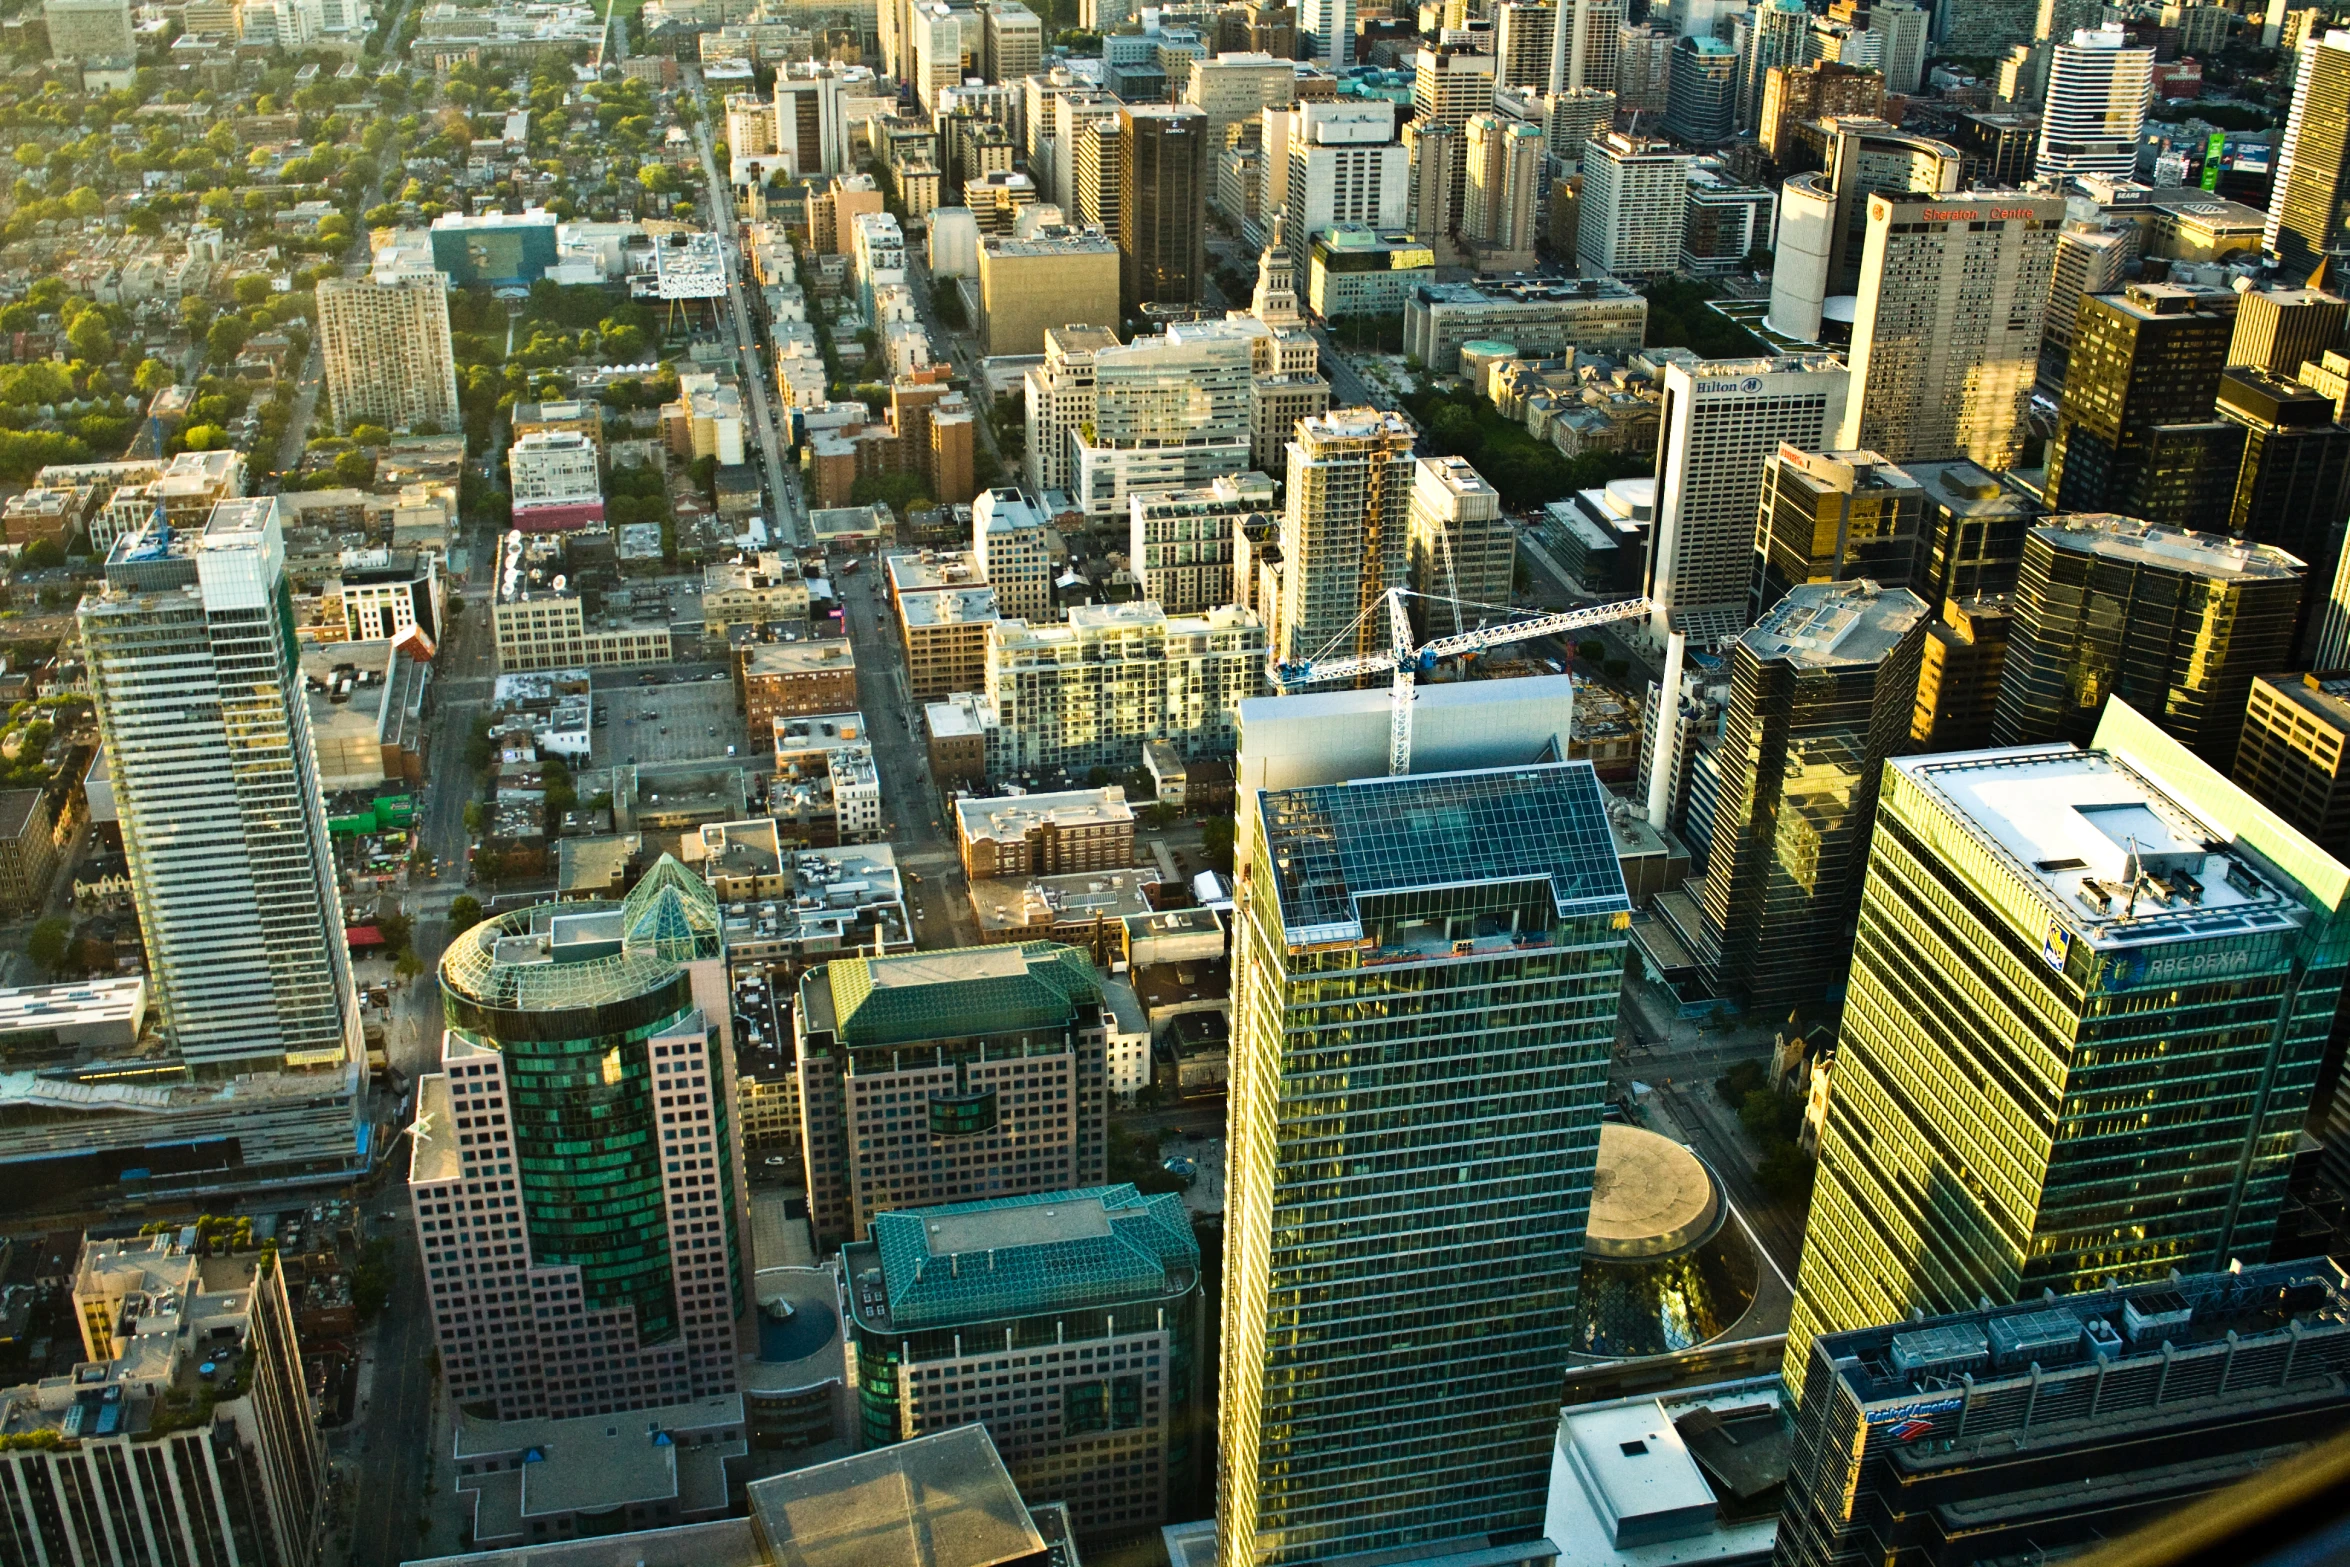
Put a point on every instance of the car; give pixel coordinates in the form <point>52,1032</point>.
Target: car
<point>776,1161</point>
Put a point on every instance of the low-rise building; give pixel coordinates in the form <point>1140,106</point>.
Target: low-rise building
<point>794,678</point>
<point>557,481</point>
<point>826,788</point>
<point>1536,316</point>
<point>848,898</point>
<point>1094,1293</point>
<point>537,625</point>
<point>958,732</point>
<point>1045,834</point>
<point>945,631</point>
<point>536,1481</point>
<point>741,861</point>
<point>28,849</point>
<point>1180,542</point>
<point>761,592</point>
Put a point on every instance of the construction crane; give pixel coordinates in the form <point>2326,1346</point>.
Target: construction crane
<point>1407,661</point>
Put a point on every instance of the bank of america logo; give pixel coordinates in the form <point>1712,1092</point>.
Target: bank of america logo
<point>1910,1430</point>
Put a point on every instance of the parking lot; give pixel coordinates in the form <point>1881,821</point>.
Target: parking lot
<point>688,717</point>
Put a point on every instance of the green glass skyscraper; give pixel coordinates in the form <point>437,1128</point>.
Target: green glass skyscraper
<point>1424,1005</point>
<point>2089,999</point>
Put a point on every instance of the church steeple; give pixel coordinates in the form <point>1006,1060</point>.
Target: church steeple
<point>1275,301</point>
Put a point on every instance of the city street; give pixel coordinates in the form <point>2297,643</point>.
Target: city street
<point>914,819</point>
<point>756,392</point>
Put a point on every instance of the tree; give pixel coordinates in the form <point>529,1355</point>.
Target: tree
<point>90,338</point>
<point>252,289</point>
<point>152,376</point>
<point>203,437</point>
<point>464,912</point>
<point>1215,843</point>
<point>48,943</point>
<point>43,553</point>
<point>225,340</point>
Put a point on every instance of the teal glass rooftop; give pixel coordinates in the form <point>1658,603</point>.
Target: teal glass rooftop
<point>920,996</point>
<point>1333,846</point>
<point>585,954</point>
<point>1024,1256</point>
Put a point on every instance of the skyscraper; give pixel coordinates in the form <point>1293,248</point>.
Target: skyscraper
<point>1824,216</point>
<point>1462,546</point>
<point>2098,90</point>
<point>2092,257</point>
<point>1345,532</point>
<point>1635,193</point>
<point>1448,86</point>
<point>2148,356</point>
<point>1432,208</point>
<point>2309,217</point>
<point>1946,332</point>
<point>388,357</point>
<point>2080,1419</point>
<point>2088,1001</point>
<point>1974,527</point>
<point>1523,33</point>
<point>1326,32</point>
<point>1345,166</point>
<point>216,788</point>
<point>1701,95</point>
<point>1836,516</point>
<point>939,1077</point>
<point>577,1170</point>
<point>1504,186</point>
<point>2293,481</point>
<point>2174,623</point>
<point>1585,47</point>
<point>1163,175</point>
<point>1821,692</point>
<point>2280,329</point>
<point>1721,418</point>
<point>1362,1407</point>
<point>1096,1293</point>
<point>1775,37</point>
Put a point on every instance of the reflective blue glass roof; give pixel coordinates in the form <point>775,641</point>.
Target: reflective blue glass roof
<point>1333,845</point>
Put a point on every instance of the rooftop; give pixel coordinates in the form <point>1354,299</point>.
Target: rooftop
<point>1650,1196</point>
<point>2228,1313</point>
<point>1690,1477</point>
<point>798,658</point>
<point>587,953</point>
<point>969,1263</point>
<point>1001,819</point>
<point>1339,850</point>
<point>1967,490</point>
<point>948,607</point>
<point>1527,292</point>
<point>917,996</point>
<point>2213,555</point>
<point>2114,858</point>
<point>590,1462</point>
<point>1017,902</point>
<point>920,571</point>
<point>1827,625</point>
<point>943,1500</point>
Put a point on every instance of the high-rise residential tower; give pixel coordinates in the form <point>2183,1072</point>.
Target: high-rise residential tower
<point>1362,1408</point>
<point>1345,532</point>
<point>1701,95</point>
<point>1523,34</point>
<point>1721,418</point>
<point>2088,1001</point>
<point>1776,34</point>
<point>1448,87</point>
<point>577,1168</point>
<point>1503,191</point>
<point>1821,692</point>
<point>388,355</point>
<point>2172,622</point>
<point>216,788</point>
<point>2098,91</point>
<point>1946,330</point>
<point>1163,177</point>
<point>2150,355</point>
<point>1635,194</point>
<point>1584,48</point>
<point>90,32</point>
<point>2309,215</point>
<point>1326,32</point>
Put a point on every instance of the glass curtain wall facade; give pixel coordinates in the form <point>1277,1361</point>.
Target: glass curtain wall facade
<point>1425,995</point>
<point>2089,999</point>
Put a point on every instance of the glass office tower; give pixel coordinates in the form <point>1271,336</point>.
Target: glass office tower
<point>2088,1003</point>
<point>1424,1008</point>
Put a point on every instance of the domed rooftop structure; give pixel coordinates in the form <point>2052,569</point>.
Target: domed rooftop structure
<point>1661,1270</point>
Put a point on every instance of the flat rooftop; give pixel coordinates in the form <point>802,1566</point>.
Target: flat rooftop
<point>948,607</point>
<point>1017,902</point>
<point>1001,819</point>
<point>2323,695</point>
<point>925,571</point>
<point>943,1500</point>
<point>798,658</point>
<point>1830,625</point>
<point>2170,549</point>
<point>2117,861</point>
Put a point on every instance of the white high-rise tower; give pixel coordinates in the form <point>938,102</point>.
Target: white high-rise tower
<point>2098,90</point>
